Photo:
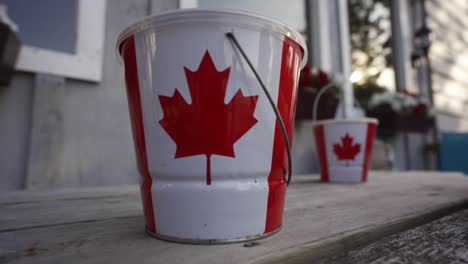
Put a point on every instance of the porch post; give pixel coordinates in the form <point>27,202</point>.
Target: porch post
<point>344,52</point>
<point>330,43</point>
<point>319,32</point>
<point>401,53</point>
<point>401,44</point>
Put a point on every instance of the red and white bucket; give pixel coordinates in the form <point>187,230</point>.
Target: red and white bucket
<point>344,148</point>
<point>209,147</point>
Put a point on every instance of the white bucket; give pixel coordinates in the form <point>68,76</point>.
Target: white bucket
<point>344,148</point>
<point>209,147</point>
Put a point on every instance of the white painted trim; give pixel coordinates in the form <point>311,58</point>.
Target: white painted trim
<point>86,63</point>
<point>188,4</point>
<point>345,56</point>
<point>320,34</point>
<point>401,44</point>
<point>329,18</point>
<point>158,6</point>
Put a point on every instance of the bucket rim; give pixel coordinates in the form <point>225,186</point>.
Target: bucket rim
<point>178,14</point>
<point>342,120</point>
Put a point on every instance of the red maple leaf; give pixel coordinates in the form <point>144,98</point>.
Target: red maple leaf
<point>207,126</point>
<point>346,151</point>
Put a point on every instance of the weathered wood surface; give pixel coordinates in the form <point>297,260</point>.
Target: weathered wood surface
<point>442,241</point>
<point>41,209</point>
<point>104,225</point>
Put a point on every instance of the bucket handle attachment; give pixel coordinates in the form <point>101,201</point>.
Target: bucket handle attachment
<point>233,38</point>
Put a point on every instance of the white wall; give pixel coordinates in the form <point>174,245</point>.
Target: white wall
<point>449,56</point>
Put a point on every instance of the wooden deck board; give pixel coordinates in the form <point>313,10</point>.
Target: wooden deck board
<point>106,224</point>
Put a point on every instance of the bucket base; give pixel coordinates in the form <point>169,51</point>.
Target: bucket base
<point>344,182</point>
<point>211,241</point>
<point>352,174</point>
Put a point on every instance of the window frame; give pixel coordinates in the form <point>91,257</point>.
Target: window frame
<point>86,62</point>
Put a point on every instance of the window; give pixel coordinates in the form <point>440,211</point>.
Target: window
<point>61,37</point>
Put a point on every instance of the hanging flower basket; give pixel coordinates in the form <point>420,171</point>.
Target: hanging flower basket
<point>400,112</point>
<point>326,107</point>
<point>404,123</point>
<point>310,83</point>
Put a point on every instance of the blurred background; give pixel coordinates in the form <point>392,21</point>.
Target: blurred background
<point>64,118</point>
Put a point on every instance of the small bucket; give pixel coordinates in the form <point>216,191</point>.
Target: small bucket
<point>344,148</point>
<point>211,152</point>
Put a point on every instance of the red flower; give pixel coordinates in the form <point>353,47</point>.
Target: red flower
<point>322,78</point>
<point>305,78</point>
<point>420,108</point>
<point>330,92</point>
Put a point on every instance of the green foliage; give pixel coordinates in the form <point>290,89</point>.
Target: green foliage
<point>370,37</point>
<point>364,92</point>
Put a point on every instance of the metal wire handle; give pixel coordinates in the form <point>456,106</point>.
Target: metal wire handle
<point>316,101</point>
<point>231,36</point>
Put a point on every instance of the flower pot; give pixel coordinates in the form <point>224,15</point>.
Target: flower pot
<point>390,123</point>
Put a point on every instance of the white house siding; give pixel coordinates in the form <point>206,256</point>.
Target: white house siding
<point>448,21</point>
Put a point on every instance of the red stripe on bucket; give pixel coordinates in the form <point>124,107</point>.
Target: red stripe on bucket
<point>321,152</point>
<point>287,94</point>
<point>367,154</point>
<point>134,103</point>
